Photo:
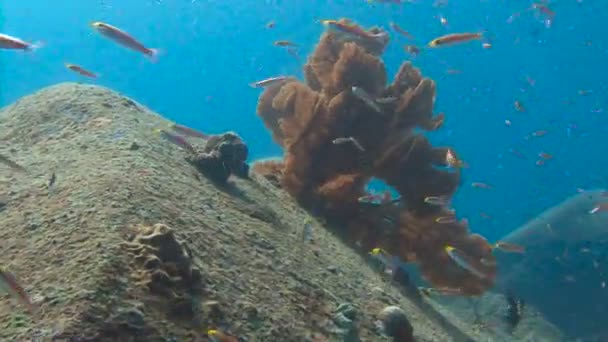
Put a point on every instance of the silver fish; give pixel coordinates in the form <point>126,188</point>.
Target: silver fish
<point>366,98</point>
<point>269,82</point>
<point>349,140</point>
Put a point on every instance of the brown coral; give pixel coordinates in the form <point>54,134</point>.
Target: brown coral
<point>329,178</point>
<point>166,267</point>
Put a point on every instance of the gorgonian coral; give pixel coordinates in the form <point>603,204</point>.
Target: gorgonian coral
<point>346,96</point>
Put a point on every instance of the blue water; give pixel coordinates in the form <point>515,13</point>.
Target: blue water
<point>213,49</point>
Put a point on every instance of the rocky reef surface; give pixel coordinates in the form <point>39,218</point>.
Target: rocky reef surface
<point>131,242</point>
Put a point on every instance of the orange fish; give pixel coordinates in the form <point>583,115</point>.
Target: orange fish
<point>11,43</point>
<point>9,283</point>
<point>545,155</point>
<point>509,247</point>
<point>345,26</point>
<point>453,38</point>
<point>80,70</point>
<point>123,38</point>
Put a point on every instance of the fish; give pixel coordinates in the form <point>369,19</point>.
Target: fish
<point>268,82</point>
<point>481,185</point>
<point>461,260</point>
<point>9,283</point>
<point>345,26</point>
<point>519,106</point>
<point>448,291</point>
<point>378,199</point>
<point>400,30</point>
<point>515,310</point>
<point>412,50</point>
<point>452,161</point>
<point>307,231</point>
<point>12,43</point>
<point>509,247</point>
<point>220,336</point>
<point>13,165</point>
<point>446,219</point>
<point>599,208</point>
<point>453,38</point>
<point>80,70</point>
<point>176,139</point>
<point>441,201</point>
<point>123,38</point>
<point>362,95</point>
<point>270,24</point>
<point>284,43</point>
<point>188,131</point>
<point>349,140</point>
<point>387,100</point>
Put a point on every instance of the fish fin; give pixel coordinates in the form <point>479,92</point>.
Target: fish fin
<point>35,46</point>
<point>153,54</point>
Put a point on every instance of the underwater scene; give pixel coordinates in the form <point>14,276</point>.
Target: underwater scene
<point>307,171</point>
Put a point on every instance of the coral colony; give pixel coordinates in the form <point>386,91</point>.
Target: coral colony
<point>346,84</point>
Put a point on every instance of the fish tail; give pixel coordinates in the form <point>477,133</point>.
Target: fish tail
<point>153,54</point>
<point>35,46</point>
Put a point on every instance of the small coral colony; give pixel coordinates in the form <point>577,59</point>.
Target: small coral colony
<point>341,127</point>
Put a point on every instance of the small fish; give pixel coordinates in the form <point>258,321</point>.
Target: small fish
<point>13,165</point>
<point>545,155</point>
<point>349,140</point>
<point>461,260</point>
<point>307,232</point>
<point>345,26</point>
<point>284,43</point>
<point>599,208</point>
<point>454,38</point>
<point>515,310</point>
<point>452,161</point>
<point>412,50</point>
<point>508,123</point>
<point>437,200</point>
<point>176,139</point>
<point>11,43</point>
<point>428,291</point>
<point>400,30</point>
<point>270,24</point>
<point>362,95</point>
<point>188,131</point>
<point>387,100</point>
<point>486,46</point>
<point>272,81</point>
<point>481,185</point>
<point>80,70</point>
<point>123,38</point>
<point>539,133</point>
<point>519,106</point>
<point>509,247</point>
<point>9,283</point>
<point>220,336</point>
<point>377,199</point>
<point>446,219</point>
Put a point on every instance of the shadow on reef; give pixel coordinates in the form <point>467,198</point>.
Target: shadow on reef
<point>345,83</point>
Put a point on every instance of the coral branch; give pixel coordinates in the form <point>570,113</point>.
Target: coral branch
<point>346,96</point>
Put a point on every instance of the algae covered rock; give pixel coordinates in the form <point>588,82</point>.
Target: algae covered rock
<point>223,155</point>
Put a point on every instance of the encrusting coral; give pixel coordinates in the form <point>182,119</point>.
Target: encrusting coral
<point>329,177</point>
<point>165,267</point>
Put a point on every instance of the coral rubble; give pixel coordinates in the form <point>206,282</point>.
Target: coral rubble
<point>306,118</point>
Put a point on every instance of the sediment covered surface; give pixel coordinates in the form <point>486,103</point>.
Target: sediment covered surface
<point>131,243</point>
